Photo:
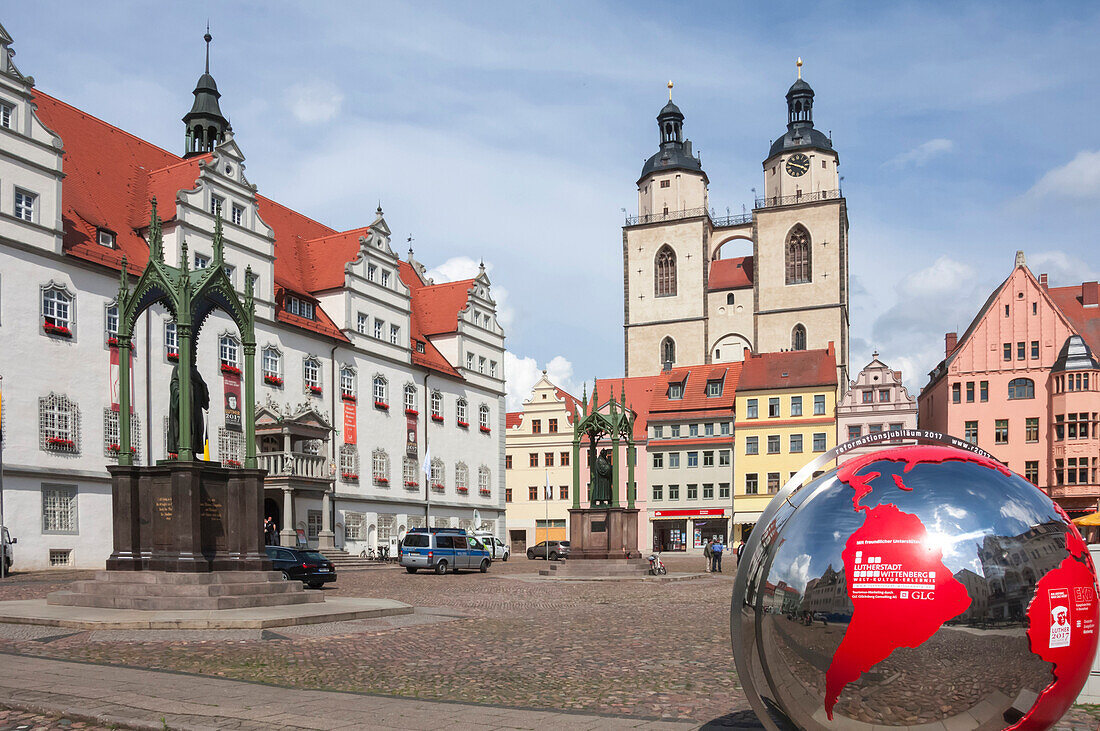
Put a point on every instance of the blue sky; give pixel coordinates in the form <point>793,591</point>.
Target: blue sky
<point>514,132</point>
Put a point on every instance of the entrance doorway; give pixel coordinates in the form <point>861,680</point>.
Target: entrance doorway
<point>271,510</point>
<point>518,540</point>
<point>669,535</point>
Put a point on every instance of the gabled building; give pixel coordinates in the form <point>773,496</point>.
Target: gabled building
<point>1023,383</point>
<point>875,401</point>
<point>364,362</point>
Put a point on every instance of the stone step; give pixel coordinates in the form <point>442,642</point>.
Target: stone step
<point>154,603</point>
<point>171,577</point>
<point>104,588</point>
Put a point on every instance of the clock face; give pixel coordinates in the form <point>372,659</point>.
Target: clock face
<point>797,164</point>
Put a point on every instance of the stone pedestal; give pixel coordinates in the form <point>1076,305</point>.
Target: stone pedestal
<point>179,591</point>
<point>603,533</point>
<point>189,517</point>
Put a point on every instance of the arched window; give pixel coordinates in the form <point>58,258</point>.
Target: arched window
<point>798,338</point>
<point>271,361</point>
<point>729,298</point>
<point>664,270</point>
<point>228,350</point>
<point>410,398</point>
<point>410,472</point>
<point>460,412</point>
<point>462,478</point>
<point>381,393</point>
<point>483,480</point>
<point>798,256</point>
<point>349,463</point>
<point>483,417</point>
<point>437,406</point>
<point>1021,388</point>
<point>347,383</point>
<point>311,374</point>
<point>668,351</point>
<point>438,478</point>
<point>380,467</point>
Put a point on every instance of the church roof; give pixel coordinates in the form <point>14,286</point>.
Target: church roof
<point>801,138</point>
<point>111,175</point>
<point>730,274</point>
<point>672,156</point>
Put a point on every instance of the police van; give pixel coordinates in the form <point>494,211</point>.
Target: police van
<point>442,550</point>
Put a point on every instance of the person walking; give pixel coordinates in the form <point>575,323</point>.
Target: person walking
<point>716,550</point>
<point>708,554</point>
<point>740,550</point>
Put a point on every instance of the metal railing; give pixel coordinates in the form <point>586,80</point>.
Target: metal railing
<point>737,220</point>
<point>776,201</point>
<point>690,213</point>
<point>294,464</point>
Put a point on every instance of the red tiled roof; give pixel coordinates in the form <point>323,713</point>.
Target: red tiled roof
<point>1086,321</point>
<point>513,419</point>
<point>639,392</point>
<point>695,397</point>
<point>111,175</point>
<point>571,403</point>
<point>730,273</point>
<point>790,369</point>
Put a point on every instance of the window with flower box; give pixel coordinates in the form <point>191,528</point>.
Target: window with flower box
<point>228,353</point>
<point>110,323</point>
<point>59,509</point>
<point>380,467</point>
<point>58,316</point>
<point>171,341</point>
<point>271,362</point>
<point>438,475</point>
<point>437,406</point>
<point>381,393</point>
<point>410,400</point>
<point>311,375</point>
<point>483,418</point>
<point>58,424</point>
<point>460,414</point>
<point>349,463</point>
<point>409,473</point>
<point>462,478</point>
<point>347,383</point>
<point>483,484</point>
<point>230,447</point>
<point>111,438</point>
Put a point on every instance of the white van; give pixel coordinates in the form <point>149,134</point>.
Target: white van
<point>496,547</point>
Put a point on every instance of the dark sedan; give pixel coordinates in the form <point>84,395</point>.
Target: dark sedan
<point>308,567</point>
<point>549,549</point>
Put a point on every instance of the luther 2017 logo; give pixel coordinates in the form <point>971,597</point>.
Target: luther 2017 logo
<point>1061,625</point>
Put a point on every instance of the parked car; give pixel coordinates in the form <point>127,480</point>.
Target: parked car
<point>443,550</point>
<point>6,542</point>
<point>309,567</point>
<point>549,549</point>
<point>497,548</point>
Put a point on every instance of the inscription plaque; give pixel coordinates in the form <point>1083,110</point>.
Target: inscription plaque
<point>599,526</point>
<point>164,507</point>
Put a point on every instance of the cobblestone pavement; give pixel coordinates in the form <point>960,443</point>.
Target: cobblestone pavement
<point>16,720</point>
<point>650,650</point>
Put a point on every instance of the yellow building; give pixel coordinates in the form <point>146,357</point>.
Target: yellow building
<point>538,442</point>
<point>786,416</point>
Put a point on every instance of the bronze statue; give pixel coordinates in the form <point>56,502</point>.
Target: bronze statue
<point>200,401</point>
<point>600,491</point>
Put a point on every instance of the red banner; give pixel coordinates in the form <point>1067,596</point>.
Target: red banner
<point>410,436</point>
<point>232,401</point>
<point>349,422</point>
<point>113,376</point>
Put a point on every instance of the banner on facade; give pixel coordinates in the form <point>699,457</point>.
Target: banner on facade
<point>410,436</point>
<point>113,376</point>
<point>349,422</point>
<point>232,401</point>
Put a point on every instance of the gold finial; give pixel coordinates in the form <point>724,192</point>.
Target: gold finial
<point>798,63</point>
<point>670,90</point>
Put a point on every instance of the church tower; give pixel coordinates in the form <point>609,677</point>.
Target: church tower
<point>801,240</point>
<point>664,255</point>
<point>205,124</point>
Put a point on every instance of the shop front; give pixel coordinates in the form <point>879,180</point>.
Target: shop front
<point>688,530</point>
<point>743,523</point>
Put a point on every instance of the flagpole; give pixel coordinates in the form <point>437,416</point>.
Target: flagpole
<point>547,501</point>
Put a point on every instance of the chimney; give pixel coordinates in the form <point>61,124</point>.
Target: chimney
<point>667,366</point>
<point>1090,297</point>
<point>831,350</point>
<point>950,340</point>
<point>1043,280</point>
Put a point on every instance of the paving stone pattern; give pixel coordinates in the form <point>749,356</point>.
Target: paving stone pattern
<point>637,649</point>
<point>15,720</point>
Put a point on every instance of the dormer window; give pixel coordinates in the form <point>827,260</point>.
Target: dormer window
<point>675,391</point>
<point>714,388</point>
<point>299,307</point>
<point>105,238</point>
<point>7,111</point>
<point>419,346</point>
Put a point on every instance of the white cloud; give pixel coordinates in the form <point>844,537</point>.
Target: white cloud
<point>312,102</point>
<point>1063,269</point>
<point>1077,181</point>
<point>463,267</point>
<point>922,153</point>
<point>798,573</point>
<point>522,373</point>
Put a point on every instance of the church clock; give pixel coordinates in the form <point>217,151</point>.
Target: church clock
<point>797,165</point>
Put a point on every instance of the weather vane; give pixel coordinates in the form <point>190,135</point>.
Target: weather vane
<point>798,63</point>
<point>670,90</point>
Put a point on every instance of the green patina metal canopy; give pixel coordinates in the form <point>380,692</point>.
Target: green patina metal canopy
<point>191,295</point>
<point>611,419</point>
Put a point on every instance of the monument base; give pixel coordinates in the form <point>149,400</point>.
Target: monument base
<point>603,533</point>
<point>598,568</point>
<point>164,590</point>
<point>188,517</point>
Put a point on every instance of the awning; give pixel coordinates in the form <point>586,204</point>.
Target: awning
<point>741,518</point>
<point>1091,519</point>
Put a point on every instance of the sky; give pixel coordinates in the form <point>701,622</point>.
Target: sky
<point>513,133</point>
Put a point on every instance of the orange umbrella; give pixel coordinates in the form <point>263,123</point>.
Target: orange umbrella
<point>1092,519</point>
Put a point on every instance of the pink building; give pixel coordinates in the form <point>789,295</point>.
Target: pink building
<point>1022,383</point>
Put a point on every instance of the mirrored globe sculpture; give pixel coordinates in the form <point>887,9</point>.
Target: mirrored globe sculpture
<point>914,585</point>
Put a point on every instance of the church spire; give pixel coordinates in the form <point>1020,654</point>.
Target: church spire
<point>205,124</point>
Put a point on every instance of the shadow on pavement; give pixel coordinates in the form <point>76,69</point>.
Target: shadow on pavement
<point>738,720</point>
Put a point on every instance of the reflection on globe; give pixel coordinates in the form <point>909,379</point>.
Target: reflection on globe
<point>914,585</point>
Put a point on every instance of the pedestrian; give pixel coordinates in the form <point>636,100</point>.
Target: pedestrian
<point>269,531</point>
<point>716,549</point>
<point>708,554</point>
<point>740,550</point>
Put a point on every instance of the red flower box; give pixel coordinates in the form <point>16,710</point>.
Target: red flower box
<point>411,483</point>
<point>412,412</point>
<point>273,381</point>
<point>437,418</point>
<point>58,443</point>
<point>348,396</point>
<point>437,487</point>
<point>173,455</point>
<point>463,424</point>
<point>350,477</point>
<point>462,490</point>
<point>485,429</point>
<point>381,480</point>
<point>315,390</point>
<point>116,449</point>
<point>59,330</point>
<point>231,369</point>
<point>485,493</point>
<point>174,357</point>
<point>112,342</point>
<point>231,463</point>
<point>381,405</point>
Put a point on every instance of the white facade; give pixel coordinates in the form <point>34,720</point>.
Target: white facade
<point>876,401</point>
<point>57,497</point>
